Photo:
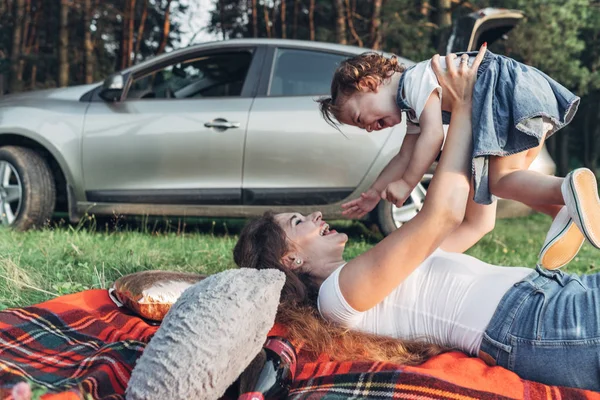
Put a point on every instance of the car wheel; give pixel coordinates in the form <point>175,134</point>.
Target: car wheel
<point>389,217</point>
<point>27,189</point>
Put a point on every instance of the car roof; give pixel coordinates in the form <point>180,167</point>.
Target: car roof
<point>308,44</point>
<point>300,44</point>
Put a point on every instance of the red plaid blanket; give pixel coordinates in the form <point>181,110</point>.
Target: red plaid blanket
<point>80,343</point>
<point>83,344</point>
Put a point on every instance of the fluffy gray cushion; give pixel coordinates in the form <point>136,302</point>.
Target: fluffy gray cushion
<point>208,337</point>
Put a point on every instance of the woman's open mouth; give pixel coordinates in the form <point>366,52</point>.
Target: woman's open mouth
<point>325,231</point>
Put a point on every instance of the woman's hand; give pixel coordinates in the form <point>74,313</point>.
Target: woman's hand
<point>458,82</point>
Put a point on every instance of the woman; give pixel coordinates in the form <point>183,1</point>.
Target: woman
<point>540,324</point>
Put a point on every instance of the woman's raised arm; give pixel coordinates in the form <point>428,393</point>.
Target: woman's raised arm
<point>369,278</point>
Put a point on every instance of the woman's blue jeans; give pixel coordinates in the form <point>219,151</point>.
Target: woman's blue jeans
<point>547,329</point>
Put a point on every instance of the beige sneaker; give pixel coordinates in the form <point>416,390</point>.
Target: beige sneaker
<point>563,241</point>
<point>580,191</point>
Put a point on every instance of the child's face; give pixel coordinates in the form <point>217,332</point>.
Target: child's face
<point>371,110</point>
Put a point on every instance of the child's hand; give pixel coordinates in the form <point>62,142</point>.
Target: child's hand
<point>397,192</point>
<point>364,204</point>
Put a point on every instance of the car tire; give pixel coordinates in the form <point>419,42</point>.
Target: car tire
<point>27,188</point>
<point>389,217</point>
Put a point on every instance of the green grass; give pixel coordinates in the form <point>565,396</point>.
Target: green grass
<point>38,265</point>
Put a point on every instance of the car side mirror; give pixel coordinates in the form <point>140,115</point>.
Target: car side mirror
<point>115,87</point>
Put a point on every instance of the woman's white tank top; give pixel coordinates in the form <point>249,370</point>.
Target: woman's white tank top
<point>449,300</point>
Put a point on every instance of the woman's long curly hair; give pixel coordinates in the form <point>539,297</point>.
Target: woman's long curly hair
<point>263,244</point>
<point>371,68</point>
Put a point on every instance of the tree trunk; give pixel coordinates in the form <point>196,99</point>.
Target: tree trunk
<point>25,39</point>
<point>311,19</point>
<point>295,22</point>
<point>34,45</point>
<point>15,55</point>
<point>97,41</point>
<point>33,79</point>
<point>32,35</point>
<point>254,19</point>
<point>76,57</point>
<point>48,39</point>
<point>267,21</point>
<point>375,30</point>
<point>444,13</point>
<point>26,25</point>
<point>4,10</point>
<point>340,22</point>
<point>63,45</point>
<point>35,50</point>
<point>350,13</point>
<point>274,20</point>
<point>124,32</point>
<point>140,33</point>
<point>283,25</point>
<point>221,6</point>
<point>127,34</point>
<point>130,30</point>
<point>166,28</point>
<point>87,42</point>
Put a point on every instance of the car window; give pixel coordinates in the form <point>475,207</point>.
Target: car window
<point>214,75</point>
<point>303,72</point>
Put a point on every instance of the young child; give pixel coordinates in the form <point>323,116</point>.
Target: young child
<point>515,108</point>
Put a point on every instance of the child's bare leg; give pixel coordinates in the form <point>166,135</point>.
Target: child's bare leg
<point>548,209</point>
<point>510,179</point>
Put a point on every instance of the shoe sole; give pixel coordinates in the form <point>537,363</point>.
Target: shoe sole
<point>559,251</point>
<point>584,190</point>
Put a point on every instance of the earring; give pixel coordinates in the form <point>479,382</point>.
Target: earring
<point>298,261</point>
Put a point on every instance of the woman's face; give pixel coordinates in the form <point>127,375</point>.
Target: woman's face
<point>311,239</point>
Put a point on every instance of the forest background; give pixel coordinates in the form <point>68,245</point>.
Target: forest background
<point>50,43</point>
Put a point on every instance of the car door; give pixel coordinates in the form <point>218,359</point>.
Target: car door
<point>178,137</point>
<point>292,156</point>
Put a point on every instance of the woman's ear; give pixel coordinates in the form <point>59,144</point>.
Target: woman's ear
<point>292,261</point>
<point>368,84</point>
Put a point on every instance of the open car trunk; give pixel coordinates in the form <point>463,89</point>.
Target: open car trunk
<point>486,25</point>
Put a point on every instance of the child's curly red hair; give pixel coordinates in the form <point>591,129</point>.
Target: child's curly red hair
<point>368,69</point>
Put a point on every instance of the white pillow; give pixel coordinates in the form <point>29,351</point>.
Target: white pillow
<point>208,337</point>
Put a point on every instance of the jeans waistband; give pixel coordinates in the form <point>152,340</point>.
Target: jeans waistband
<point>494,338</point>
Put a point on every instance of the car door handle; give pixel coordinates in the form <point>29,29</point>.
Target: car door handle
<point>221,124</point>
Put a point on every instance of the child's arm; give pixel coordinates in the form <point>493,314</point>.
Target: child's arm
<point>426,150</point>
<point>396,167</point>
<point>394,170</point>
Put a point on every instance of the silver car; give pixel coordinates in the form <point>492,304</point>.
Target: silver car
<point>226,129</point>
